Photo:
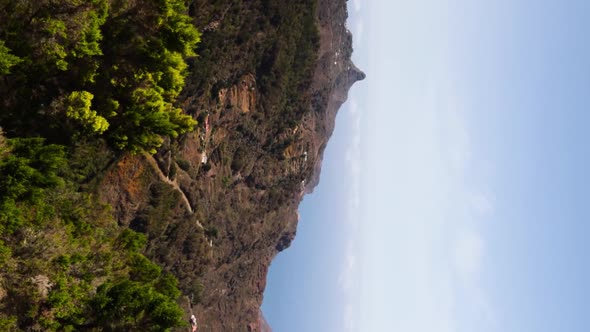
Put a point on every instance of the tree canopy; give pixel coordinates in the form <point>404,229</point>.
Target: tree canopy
<point>102,67</point>
<point>75,74</point>
<point>65,264</point>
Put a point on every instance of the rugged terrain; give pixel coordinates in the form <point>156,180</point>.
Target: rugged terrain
<point>247,192</point>
<point>216,204</point>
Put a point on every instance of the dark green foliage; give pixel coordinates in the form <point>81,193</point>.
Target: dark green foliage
<point>278,41</point>
<point>196,292</point>
<point>212,232</point>
<point>142,269</point>
<point>28,169</point>
<point>8,324</point>
<point>78,81</point>
<point>145,72</point>
<point>172,171</point>
<point>154,219</point>
<point>131,241</point>
<point>88,158</point>
<point>7,60</point>
<point>145,301</point>
<point>129,305</point>
<point>104,68</point>
<point>5,253</point>
<point>57,245</point>
<point>226,181</point>
<point>103,74</point>
<point>67,300</point>
<point>185,165</point>
<point>168,285</point>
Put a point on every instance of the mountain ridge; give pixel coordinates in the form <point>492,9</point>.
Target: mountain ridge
<point>245,171</point>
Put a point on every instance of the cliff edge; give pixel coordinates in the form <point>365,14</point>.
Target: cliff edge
<point>220,203</point>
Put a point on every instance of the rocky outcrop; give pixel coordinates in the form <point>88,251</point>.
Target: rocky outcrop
<point>242,276</point>
<point>241,96</point>
<point>243,197</point>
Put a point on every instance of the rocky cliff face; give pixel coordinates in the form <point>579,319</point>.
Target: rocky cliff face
<point>219,204</point>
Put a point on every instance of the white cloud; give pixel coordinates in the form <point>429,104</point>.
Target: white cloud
<point>457,145</point>
<point>467,255</point>
<point>359,31</point>
<point>348,318</point>
<point>349,272</point>
<point>425,222</point>
<point>423,250</point>
<point>357,5</point>
<point>354,164</point>
<point>347,275</point>
<point>467,207</point>
<point>468,259</point>
<point>482,205</point>
<point>353,105</point>
<point>348,281</point>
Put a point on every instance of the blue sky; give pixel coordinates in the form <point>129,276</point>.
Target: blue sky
<point>466,156</point>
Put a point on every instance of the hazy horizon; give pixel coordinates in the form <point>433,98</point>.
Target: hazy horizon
<point>453,195</point>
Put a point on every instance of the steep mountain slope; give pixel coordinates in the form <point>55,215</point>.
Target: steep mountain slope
<point>218,205</point>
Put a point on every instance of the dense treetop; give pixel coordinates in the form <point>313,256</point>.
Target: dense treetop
<point>104,68</point>
<point>80,81</point>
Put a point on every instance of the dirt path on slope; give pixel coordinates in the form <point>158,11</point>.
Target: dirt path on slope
<point>175,185</point>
